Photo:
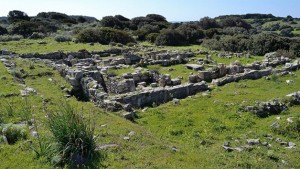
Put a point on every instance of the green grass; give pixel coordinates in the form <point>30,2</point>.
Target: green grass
<point>178,71</point>
<point>227,61</point>
<point>121,71</point>
<point>201,124</point>
<point>138,152</point>
<point>33,46</point>
<point>296,32</point>
<point>197,127</point>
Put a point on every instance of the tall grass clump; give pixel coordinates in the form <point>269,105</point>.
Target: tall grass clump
<point>74,136</point>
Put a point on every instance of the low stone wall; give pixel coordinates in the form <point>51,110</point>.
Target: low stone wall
<point>255,74</point>
<point>78,55</point>
<point>162,94</point>
<point>252,74</point>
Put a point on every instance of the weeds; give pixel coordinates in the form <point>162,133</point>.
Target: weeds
<point>74,136</point>
<point>44,147</point>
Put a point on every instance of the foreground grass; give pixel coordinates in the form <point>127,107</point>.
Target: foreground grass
<point>138,152</point>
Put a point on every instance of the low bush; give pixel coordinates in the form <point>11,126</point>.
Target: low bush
<point>62,38</point>
<point>13,132</point>
<point>37,35</point>
<point>152,37</point>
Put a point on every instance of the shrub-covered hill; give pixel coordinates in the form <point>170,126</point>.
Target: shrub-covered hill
<point>235,33</point>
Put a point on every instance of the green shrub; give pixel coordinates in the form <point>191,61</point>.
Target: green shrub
<point>17,73</point>
<point>13,132</point>
<point>170,37</point>
<point>37,35</point>
<point>104,36</point>
<point>74,136</point>
<point>191,32</point>
<point>62,38</point>
<point>152,37</point>
<point>3,30</point>
<point>6,38</point>
<point>131,44</point>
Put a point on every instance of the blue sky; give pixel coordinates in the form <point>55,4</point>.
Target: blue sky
<point>173,10</point>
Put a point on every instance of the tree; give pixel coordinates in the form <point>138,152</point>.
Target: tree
<point>60,17</point>
<point>191,32</point>
<point>81,19</point>
<point>145,30</point>
<point>235,22</point>
<point>15,16</point>
<point>140,21</point>
<point>156,17</point>
<point>104,36</point>
<point>169,37</point>
<point>110,21</point>
<point>121,18</point>
<point>208,23</point>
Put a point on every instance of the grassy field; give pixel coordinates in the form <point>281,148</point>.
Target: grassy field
<point>35,46</point>
<point>188,135</point>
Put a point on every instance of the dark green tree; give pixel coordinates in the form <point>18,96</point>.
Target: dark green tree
<point>15,16</point>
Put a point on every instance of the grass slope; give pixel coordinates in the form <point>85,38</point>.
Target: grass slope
<point>188,135</point>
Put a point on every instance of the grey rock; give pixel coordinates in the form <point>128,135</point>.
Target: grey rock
<point>253,141</point>
<point>126,138</point>
<point>275,125</point>
<point>106,146</point>
<point>132,133</point>
<point>228,149</point>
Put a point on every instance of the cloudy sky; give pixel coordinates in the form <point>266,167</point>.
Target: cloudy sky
<point>173,10</point>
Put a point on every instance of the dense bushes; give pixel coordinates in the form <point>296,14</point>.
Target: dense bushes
<point>60,17</point>
<point>110,21</point>
<point>170,37</point>
<point>3,31</point>
<point>259,44</point>
<point>62,38</point>
<point>191,32</point>
<point>27,28</point>
<point>6,38</point>
<point>235,22</point>
<point>104,36</point>
<point>208,23</point>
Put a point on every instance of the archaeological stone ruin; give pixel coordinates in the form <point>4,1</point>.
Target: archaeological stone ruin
<point>88,74</point>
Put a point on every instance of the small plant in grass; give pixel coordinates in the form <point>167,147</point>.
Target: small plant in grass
<point>17,73</point>
<point>74,136</point>
<point>31,65</point>
<point>275,77</point>
<point>13,132</point>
